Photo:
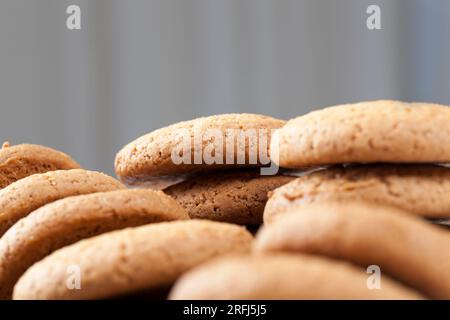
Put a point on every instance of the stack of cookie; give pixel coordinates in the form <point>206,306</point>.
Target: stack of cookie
<point>60,237</point>
<point>356,187</point>
<point>215,172</point>
<point>375,175</point>
<point>383,152</point>
<point>142,261</point>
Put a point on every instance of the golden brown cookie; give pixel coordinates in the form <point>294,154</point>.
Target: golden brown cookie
<point>374,131</point>
<point>68,220</point>
<point>419,189</point>
<point>23,160</point>
<point>25,195</point>
<point>126,261</point>
<point>229,196</point>
<point>281,276</point>
<point>405,247</point>
<point>150,156</point>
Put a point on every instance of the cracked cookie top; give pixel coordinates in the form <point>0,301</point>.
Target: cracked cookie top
<point>419,189</point>
<point>366,132</point>
<point>150,156</point>
<point>23,160</point>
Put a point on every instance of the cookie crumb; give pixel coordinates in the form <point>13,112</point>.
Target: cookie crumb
<point>6,144</point>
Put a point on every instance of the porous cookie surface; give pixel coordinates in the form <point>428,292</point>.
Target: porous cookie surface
<point>126,261</point>
<point>68,220</point>
<point>151,155</point>
<point>281,276</point>
<point>406,247</point>
<point>23,160</point>
<point>25,195</point>
<point>374,131</point>
<point>419,189</point>
<point>230,196</point>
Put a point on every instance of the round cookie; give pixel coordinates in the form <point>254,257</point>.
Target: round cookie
<point>229,196</point>
<point>374,131</point>
<point>419,189</point>
<point>23,160</point>
<point>26,195</point>
<point>281,276</point>
<point>68,220</point>
<point>150,156</point>
<point>126,261</point>
<point>405,247</point>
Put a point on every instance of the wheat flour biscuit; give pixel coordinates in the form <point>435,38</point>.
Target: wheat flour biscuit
<point>229,196</point>
<point>281,276</point>
<point>419,189</point>
<point>23,160</point>
<point>150,156</point>
<point>126,261</point>
<point>405,247</point>
<point>71,219</point>
<point>374,131</point>
<point>26,195</point>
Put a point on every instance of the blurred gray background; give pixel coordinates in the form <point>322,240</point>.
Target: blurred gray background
<point>137,65</point>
